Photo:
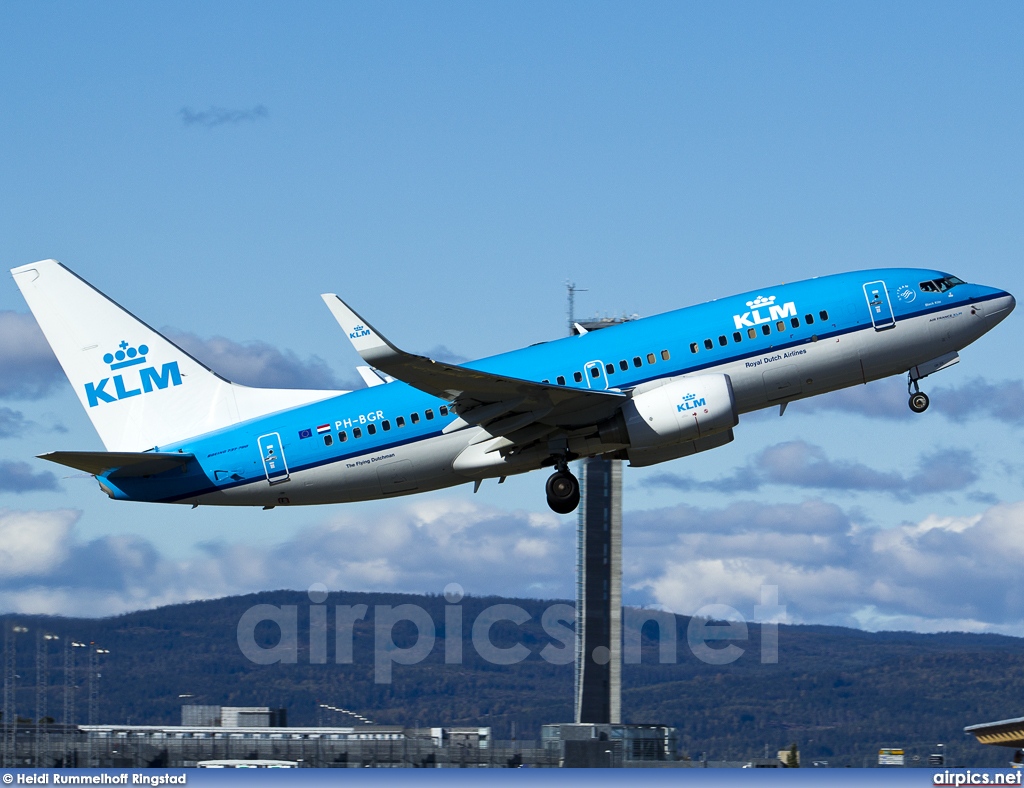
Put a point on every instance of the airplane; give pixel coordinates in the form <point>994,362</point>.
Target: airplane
<point>648,391</point>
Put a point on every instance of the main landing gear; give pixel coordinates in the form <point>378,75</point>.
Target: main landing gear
<point>918,399</point>
<point>563,490</point>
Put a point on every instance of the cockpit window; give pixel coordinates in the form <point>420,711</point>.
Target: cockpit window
<point>940,285</point>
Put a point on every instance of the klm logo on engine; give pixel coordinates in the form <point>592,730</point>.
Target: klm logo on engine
<point>133,382</point>
<point>691,402</point>
<point>756,316</point>
<point>359,331</point>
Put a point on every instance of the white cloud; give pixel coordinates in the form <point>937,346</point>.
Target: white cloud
<point>935,574</point>
<point>28,368</point>
<point>18,477</point>
<point>418,547</point>
<point>34,542</point>
<point>938,573</point>
<point>800,464</point>
<point>256,363</point>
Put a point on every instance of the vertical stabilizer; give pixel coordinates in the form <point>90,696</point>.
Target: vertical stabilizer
<point>140,389</point>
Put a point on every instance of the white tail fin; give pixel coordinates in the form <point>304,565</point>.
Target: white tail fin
<point>140,389</point>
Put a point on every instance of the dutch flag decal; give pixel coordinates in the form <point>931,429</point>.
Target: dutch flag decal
<point>323,428</point>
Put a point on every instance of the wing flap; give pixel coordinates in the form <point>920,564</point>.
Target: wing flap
<point>122,463</point>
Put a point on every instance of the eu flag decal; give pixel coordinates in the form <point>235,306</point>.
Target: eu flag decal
<point>305,434</point>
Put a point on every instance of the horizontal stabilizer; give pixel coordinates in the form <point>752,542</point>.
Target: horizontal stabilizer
<point>125,463</point>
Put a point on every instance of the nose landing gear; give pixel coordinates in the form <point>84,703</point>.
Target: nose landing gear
<point>918,399</point>
<point>563,490</point>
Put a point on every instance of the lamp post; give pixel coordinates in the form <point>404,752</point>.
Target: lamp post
<point>42,748</point>
<point>94,676</point>
<point>69,698</point>
<point>10,743</point>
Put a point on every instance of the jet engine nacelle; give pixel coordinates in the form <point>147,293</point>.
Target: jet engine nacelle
<point>640,458</point>
<point>677,410</point>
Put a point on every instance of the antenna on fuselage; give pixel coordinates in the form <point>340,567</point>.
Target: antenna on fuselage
<point>571,291</point>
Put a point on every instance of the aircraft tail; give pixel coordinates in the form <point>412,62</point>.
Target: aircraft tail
<point>140,390</point>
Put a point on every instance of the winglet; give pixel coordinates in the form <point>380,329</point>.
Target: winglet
<point>369,344</point>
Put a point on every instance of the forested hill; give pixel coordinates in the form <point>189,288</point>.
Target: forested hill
<point>840,694</point>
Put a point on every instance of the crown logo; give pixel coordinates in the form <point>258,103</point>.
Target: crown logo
<point>761,301</point>
<point>689,397</point>
<point>126,356</point>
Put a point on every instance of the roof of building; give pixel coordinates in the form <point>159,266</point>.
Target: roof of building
<point>1004,733</point>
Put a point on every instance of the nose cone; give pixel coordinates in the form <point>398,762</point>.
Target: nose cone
<point>999,307</point>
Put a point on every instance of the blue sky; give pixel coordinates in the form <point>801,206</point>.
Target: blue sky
<point>446,167</point>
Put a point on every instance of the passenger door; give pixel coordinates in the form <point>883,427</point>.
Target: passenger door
<point>272,452</point>
<point>879,305</point>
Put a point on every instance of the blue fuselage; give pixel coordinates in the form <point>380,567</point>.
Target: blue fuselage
<point>777,344</point>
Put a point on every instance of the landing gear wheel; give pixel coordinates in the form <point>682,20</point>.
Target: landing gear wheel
<point>919,402</point>
<point>563,490</point>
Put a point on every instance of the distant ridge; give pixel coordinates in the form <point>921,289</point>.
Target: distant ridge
<point>839,693</point>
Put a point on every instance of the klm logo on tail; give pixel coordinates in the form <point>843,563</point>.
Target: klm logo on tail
<point>148,378</point>
<point>754,316</point>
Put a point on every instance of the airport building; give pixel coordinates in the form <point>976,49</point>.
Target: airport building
<point>1004,733</point>
<point>184,746</point>
<point>609,746</point>
<point>221,736</point>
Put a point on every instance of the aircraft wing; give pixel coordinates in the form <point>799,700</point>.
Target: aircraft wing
<point>505,403</point>
<point>124,463</point>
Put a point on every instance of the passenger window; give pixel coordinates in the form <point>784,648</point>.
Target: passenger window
<point>371,429</point>
<point>415,418</point>
<point>385,425</point>
<point>609,368</point>
<point>693,347</point>
<point>665,356</point>
<point>809,319</point>
<point>637,362</point>
<point>795,322</point>
<point>823,314</point>
<point>595,372</point>
<point>623,365</point>
<point>356,432</point>
<point>651,358</point>
<point>723,341</point>
<point>577,376</point>
<point>766,329</point>
<point>429,413</point>
<point>443,410</point>
<point>400,421</point>
<point>545,381</point>
<point>342,436</point>
<point>752,333</point>
<point>780,326</point>
<point>328,439</point>
<point>708,344</point>
<point>737,336</point>
<point>560,380</point>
